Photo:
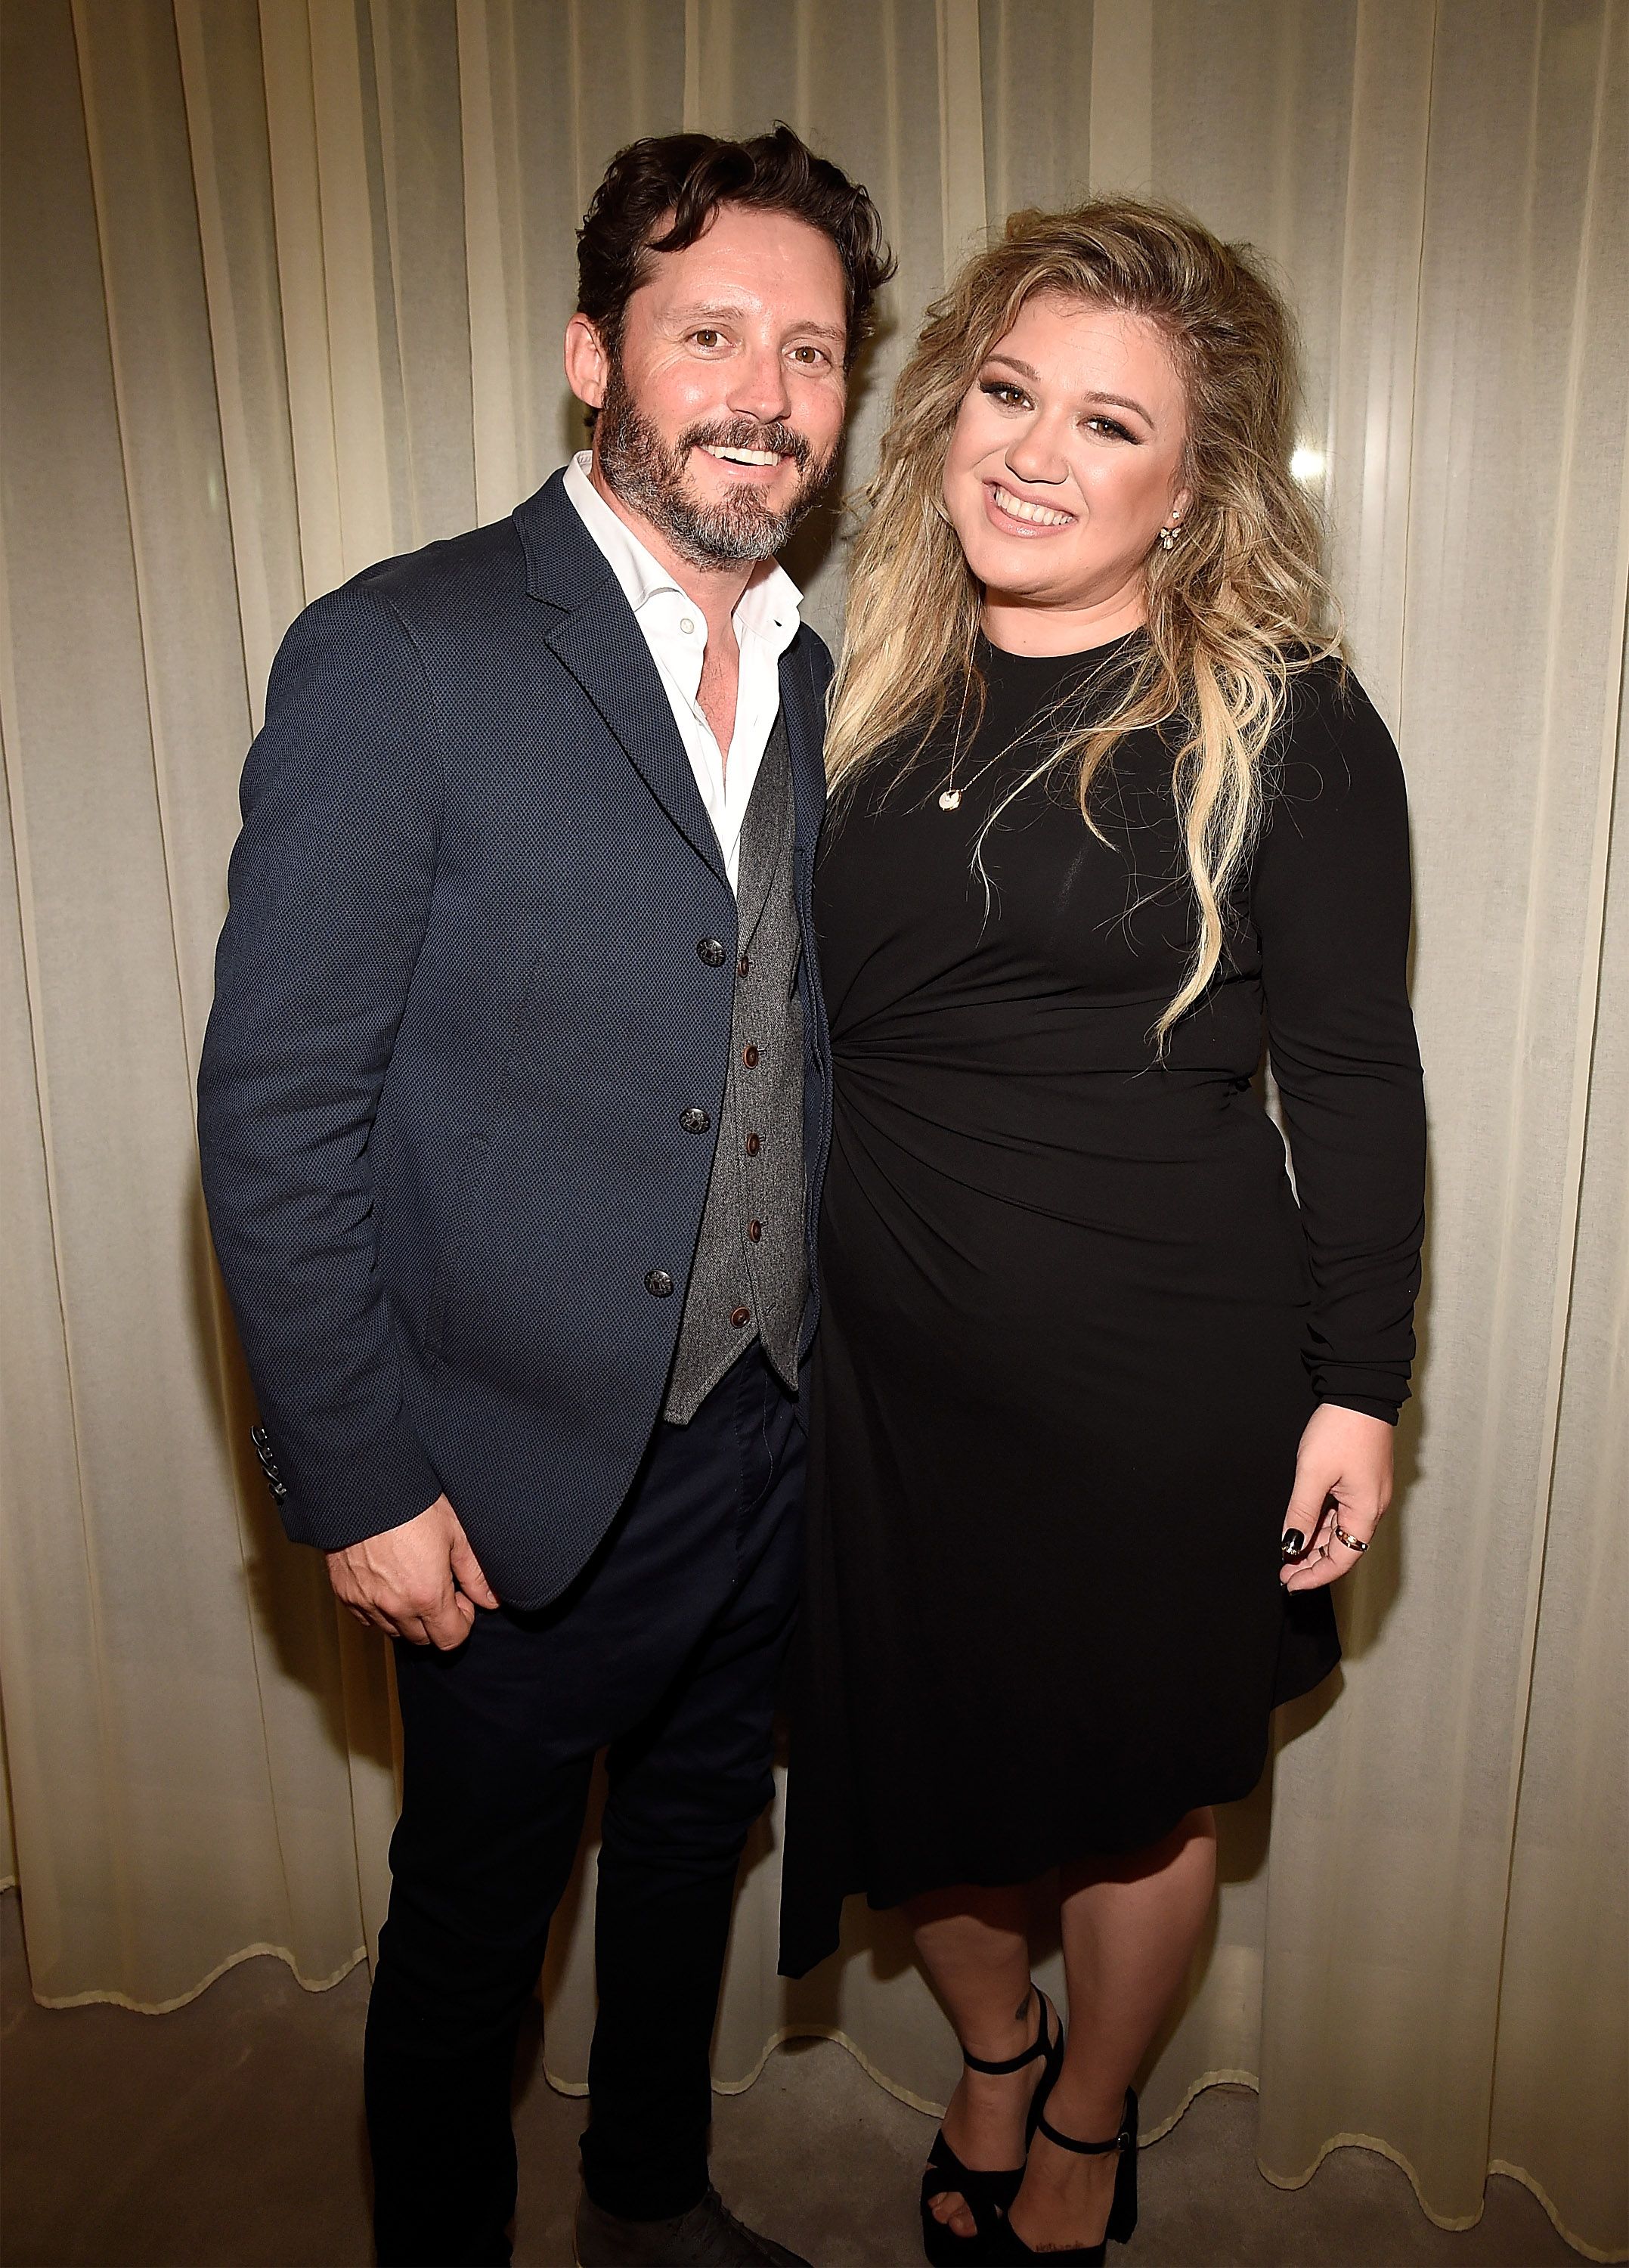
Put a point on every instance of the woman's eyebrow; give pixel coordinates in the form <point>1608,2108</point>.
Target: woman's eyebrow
<point>1112,400</point>
<point>1120,401</point>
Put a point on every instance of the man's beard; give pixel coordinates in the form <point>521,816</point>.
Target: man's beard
<point>650,477</point>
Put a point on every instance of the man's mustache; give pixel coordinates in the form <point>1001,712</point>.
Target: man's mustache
<point>746,433</point>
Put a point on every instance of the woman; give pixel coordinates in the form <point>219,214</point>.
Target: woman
<point>1100,1408</point>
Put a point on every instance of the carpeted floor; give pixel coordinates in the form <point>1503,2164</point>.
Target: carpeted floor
<point>230,2132</point>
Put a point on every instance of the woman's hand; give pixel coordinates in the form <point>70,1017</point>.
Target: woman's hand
<point>1345,1464</point>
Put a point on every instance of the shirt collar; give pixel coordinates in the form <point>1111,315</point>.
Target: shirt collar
<point>769,605</point>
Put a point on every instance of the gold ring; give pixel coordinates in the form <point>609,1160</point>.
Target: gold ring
<point>1351,1543</point>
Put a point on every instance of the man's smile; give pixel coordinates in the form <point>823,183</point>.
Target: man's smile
<point>755,463</point>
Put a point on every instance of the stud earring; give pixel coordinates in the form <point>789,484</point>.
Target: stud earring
<point>1167,536</point>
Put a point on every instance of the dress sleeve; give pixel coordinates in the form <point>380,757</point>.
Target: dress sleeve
<point>1330,901</point>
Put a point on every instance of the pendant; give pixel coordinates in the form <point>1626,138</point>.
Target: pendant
<point>950,798</point>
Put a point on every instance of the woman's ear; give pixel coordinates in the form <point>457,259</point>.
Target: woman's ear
<point>587,365</point>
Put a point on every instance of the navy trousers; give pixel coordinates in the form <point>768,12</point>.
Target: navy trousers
<point>665,1653</point>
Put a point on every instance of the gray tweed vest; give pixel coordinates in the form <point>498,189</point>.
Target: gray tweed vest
<point>750,1277</point>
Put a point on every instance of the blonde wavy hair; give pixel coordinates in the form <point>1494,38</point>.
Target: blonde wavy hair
<point>1233,611</point>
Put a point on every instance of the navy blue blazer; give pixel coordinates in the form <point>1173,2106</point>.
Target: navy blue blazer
<point>478,965</point>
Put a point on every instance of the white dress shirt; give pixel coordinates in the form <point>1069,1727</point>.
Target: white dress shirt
<point>675,629</point>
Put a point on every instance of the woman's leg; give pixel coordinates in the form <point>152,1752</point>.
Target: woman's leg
<point>1129,1926</point>
<point>975,1947</point>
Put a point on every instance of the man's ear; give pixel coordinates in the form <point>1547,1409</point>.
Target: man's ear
<point>587,365</point>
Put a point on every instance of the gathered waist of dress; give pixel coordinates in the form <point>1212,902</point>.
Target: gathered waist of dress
<point>1040,1094</point>
<point>1066,1139</point>
<point>1060,1036</point>
<point>1178,1178</point>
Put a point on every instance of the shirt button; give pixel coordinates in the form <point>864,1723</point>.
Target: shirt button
<point>742,1315</point>
<point>753,1146</point>
<point>755,1230</point>
<point>742,965</point>
<point>695,1121</point>
<point>658,1283</point>
<point>750,1057</point>
<point>687,625</point>
<point>711,950</point>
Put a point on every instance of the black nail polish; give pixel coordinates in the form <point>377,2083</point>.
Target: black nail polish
<point>1292,1544</point>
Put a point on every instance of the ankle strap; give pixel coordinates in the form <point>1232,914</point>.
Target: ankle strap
<point>1120,2141</point>
<point>1017,2062</point>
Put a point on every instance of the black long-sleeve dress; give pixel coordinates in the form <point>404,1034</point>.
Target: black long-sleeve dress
<point>1074,1318</point>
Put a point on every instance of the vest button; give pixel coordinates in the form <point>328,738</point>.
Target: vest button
<point>742,1315</point>
<point>695,1121</point>
<point>753,1146</point>
<point>750,1057</point>
<point>755,1230</point>
<point>742,965</point>
<point>658,1283</point>
<point>711,950</point>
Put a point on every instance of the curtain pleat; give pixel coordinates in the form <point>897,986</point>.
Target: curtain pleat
<point>282,293</point>
<point>8,1838</point>
<point>223,86</point>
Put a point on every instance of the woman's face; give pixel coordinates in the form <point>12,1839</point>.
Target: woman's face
<point>1065,461</point>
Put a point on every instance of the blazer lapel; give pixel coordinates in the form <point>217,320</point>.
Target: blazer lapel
<point>597,639</point>
<point>602,646</point>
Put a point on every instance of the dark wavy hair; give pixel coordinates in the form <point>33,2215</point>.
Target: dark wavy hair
<point>690,176</point>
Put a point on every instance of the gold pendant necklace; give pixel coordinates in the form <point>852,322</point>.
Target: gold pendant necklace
<point>950,794</point>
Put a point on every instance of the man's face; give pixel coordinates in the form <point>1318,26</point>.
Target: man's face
<point>721,416</point>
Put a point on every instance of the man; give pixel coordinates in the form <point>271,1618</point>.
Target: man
<point>513,1106</point>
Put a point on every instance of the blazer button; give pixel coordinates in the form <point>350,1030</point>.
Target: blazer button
<point>755,1230</point>
<point>711,950</point>
<point>658,1283</point>
<point>695,1121</point>
<point>742,1315</point>
<point>742,965</point>
<point>753,1146</point>
<point>750,1057</point>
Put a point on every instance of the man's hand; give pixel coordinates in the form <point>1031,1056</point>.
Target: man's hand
<point>1343,1479</point>
<point>419,1581</point>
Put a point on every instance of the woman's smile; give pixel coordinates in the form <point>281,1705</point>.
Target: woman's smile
<point>1022,516</point>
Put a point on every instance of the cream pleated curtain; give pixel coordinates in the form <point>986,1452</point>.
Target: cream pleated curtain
<point>284,289</point>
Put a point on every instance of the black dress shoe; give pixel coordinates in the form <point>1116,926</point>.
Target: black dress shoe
<point>708,2236</point>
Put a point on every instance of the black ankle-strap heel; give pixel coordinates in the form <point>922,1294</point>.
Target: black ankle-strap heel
<point>1122,2212</point>
<point>988,2195</point>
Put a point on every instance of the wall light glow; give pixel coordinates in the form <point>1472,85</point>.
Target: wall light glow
<point>1307,466</point>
